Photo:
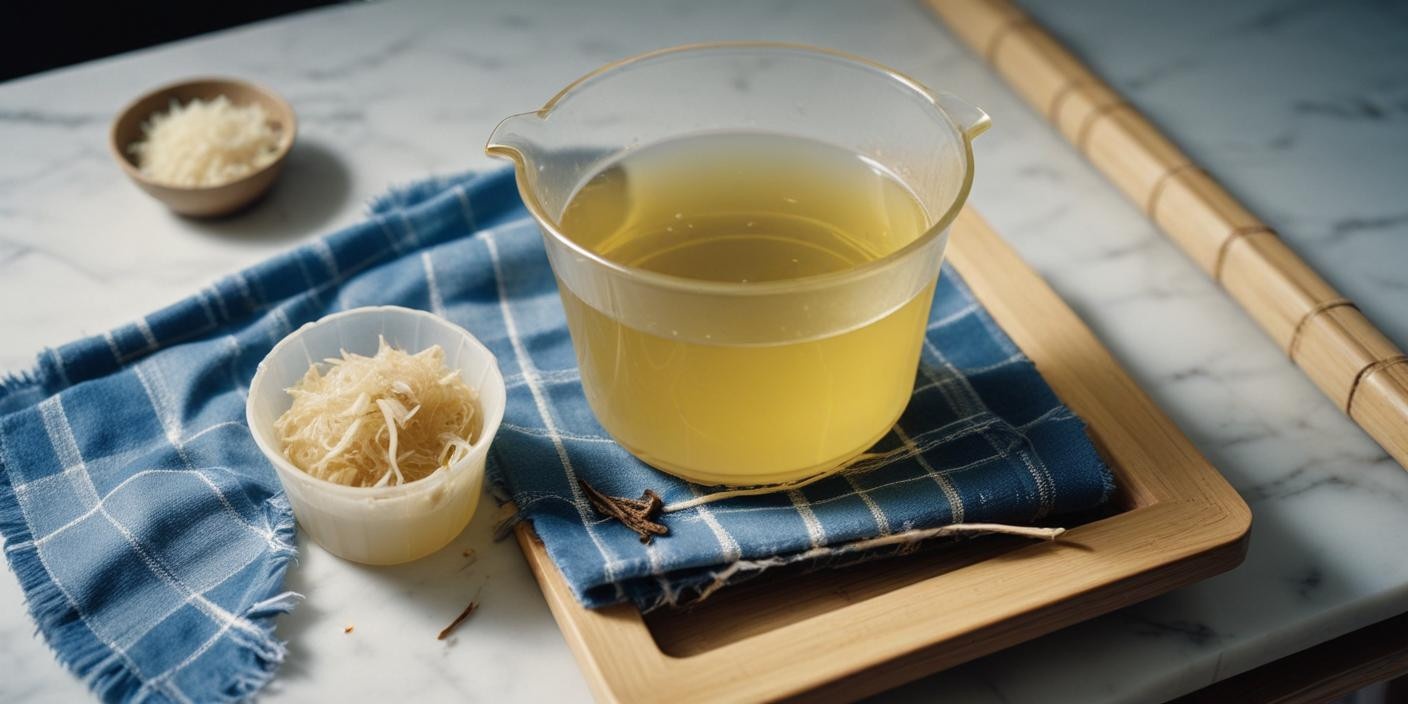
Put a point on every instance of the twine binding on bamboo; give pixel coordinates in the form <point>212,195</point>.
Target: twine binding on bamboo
<point>1309,315</point>
<point>1002,33</point>
<point>1233,236</point>
<point>1083,134</point>
<point>1365,373</point>
<point>1053,111</point>
<point>990,54</point>
<point>1151,204</point>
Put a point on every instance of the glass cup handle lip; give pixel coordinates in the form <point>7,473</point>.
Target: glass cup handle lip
<point>513,135</point>
<point>970,119</point>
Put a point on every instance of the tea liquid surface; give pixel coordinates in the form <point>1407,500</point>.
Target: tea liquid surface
<point>745,208</point>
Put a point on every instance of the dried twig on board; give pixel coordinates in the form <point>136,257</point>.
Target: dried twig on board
<point>636,514</point>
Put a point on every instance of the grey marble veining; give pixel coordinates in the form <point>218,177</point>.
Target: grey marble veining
<point>1299,108</point>
<point>389,92</point>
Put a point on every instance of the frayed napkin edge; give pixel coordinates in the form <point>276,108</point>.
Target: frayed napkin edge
<point>100,666</point>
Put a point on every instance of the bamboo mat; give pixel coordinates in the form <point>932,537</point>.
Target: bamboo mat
<point>1323,332</point>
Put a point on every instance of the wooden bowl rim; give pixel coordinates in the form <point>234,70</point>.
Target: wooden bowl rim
<point>285,140</point>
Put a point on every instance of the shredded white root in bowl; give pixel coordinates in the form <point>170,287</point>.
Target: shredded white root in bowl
<point>206,143</point>
<point>385,420</point>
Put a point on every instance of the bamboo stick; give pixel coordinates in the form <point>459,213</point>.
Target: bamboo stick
<point>1323,332</point>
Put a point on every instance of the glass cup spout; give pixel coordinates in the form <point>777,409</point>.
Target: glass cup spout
<point>969,119</point>
<point>515,137</point>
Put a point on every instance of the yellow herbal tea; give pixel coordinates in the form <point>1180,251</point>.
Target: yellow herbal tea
<point>741,208</point>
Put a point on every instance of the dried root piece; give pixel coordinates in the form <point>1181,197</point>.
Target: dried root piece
<point>468,611</point>
<point>636,514</point>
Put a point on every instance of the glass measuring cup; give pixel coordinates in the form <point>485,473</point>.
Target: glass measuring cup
<point>661,355</point>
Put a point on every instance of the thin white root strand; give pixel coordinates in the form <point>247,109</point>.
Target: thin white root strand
<point>743,491</point>
<point>385,407</point>
<point>860,464</point>
<point>917,535</point>
<point>909,537</point>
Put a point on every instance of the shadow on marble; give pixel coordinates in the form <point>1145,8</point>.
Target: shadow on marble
<point>338,594</point>
<point>292,627</point>
<point>313,188</point>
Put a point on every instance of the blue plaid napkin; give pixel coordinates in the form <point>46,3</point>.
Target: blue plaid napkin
<point>150,536</point>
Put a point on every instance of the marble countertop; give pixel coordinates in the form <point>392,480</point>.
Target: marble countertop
<point>1300,109</point>
<point>390,92</point>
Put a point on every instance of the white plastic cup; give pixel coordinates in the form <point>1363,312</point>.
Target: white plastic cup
<point>393,524</point>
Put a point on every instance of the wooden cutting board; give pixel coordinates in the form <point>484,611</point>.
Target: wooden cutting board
<point>837,635</point>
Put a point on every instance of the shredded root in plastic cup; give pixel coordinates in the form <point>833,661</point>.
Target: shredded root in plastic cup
<point>384,420</point>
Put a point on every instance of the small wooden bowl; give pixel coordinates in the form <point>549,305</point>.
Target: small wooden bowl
<point>203,201</point>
